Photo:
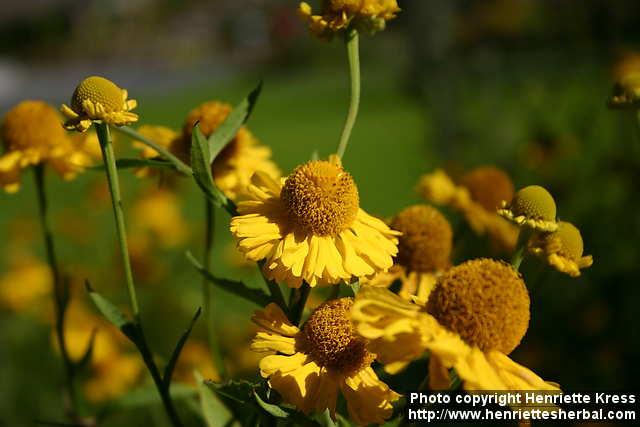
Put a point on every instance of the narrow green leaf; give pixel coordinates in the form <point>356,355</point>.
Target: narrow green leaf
<point>238,391</point>
<point>113,314</point>
<point>326,419</point>
<point>168,370</point>
<point>230,126</point>
<point>202,167</point>
<point>130,163</point>
<point>272,409</point>
<point>214,412</point>
<point>256,296</point>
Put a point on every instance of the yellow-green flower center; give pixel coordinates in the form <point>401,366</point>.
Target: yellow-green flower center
<point>571,240</point>
<point>534,202</point>
<point>321,198</point>
<point>485,302</point>
<point>425,244</point>
<point>330,339</point>
<point>98,90</point>
<point>488,186</point>
<point>32,124</point>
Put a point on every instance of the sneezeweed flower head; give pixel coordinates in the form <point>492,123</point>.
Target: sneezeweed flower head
<point>477,196</point>
<point>313,364</point>
<point>532,207</point>
<point>97,98</point>
<point>338,15</point>
<point>424,251</point>
<point>32,135</point>
<point>626,90</point>
<point>234,166</point>
<point>563,249</point>
<point>476,315</point>
<point>25,285</point>
<point>310,227</point>
<point>157,215</point>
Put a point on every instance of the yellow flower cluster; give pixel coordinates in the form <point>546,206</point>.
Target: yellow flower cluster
<point>32,135</point>
<point>338,15</point>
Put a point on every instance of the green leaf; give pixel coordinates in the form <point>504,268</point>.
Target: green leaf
<point>272,409</point>
<point>229,128</point>
<point>130,163</point>
<point>215,413</point>
<point>256,296</point>
<point>326,419</point>
<point>355,287</point>
<point>168,370</point>
<point>202,167</point>
<point>112,313</point>
<point>148,395</point>
<point>238,391</point>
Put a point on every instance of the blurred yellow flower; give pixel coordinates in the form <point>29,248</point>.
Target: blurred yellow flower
<point>161,135</point>
<point>475,198</point>
<point>32,135</point>
<point>475,316</point>
<point>531,207</point>
<point>562,249</point>
<point>626,74</point>
<point>234,166</point>
<point>157,214</point>
<point>97,98</point>
<point>26,284</point>
<point>113,377</point>
<point>424,251</point>
<point>310,227</point>
<point>195,355</point>
<point>313,364</point>
<point>337,15</point>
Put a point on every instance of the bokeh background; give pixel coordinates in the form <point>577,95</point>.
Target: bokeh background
<point>521,84</point>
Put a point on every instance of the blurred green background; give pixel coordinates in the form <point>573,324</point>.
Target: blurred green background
<point>518,84</point>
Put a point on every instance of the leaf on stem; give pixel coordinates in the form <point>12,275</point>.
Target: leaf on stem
<point>238,391</point>
<point>168,370</point>
<point>129,163</point>
<point>272,409</point>
<point>214,412</point>
<point>112,313</point>
<point>230,126</point>
<point>256,296</point>
<point>202,168</point>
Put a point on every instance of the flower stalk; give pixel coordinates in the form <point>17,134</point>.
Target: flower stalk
<point>521,247</point>
<point>354,103</point>
<point>297,302</point>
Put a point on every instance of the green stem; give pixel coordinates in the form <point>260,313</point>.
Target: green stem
<point>297,302</point>
<point>274,289</point>
<point>521,247</point>
<point>166,154</point>
<point>214,345</point>
<point>354,73</point>
<point>109,158</point>
<point>60,294</point>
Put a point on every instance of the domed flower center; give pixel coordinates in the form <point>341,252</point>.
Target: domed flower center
<point>425,244</point>
<point>209,115</point>
<point>488,186</point>
<point>485,302</point>
<point>330,338</point>
<point>98,90</point>
<point>534,202</point>
<point>570,239</point>
<point>32,124</point>
<point>321,197</point>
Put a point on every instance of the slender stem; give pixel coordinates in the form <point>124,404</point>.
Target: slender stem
<point>60,293</point>
<point>274,289</point>
<point>214,345</point>
<point>102,130</point>
<point>108,156</point>
<point>166,154</point>
<point>297,302</point>
<point>354,73</point>
<point>521,247</point>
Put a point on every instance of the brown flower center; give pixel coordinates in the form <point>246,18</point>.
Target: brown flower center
<point>485,302</point>
<point>425,244</point>
<point>321,197</point>
<point>331,341</point>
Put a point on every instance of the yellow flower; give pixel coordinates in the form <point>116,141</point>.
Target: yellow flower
<point>238,161</point>
<point>313,364</point>
<point>475,316</point>
<point>424,251</point>
<point>195,356</point>
<point>32,135</point>
<point>477,197</point>
<point>310,227</point>
<point>97,98</point>
<point>531,207</point>
<point>113,377</point>
<point>157,215</point>
<point>26,284</point>
<point>562,249</point>
<point>161,135</point>
<point>337,15</point>
<point>626,90</point>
